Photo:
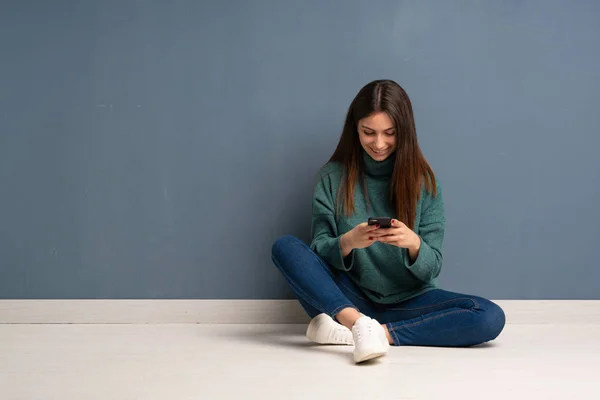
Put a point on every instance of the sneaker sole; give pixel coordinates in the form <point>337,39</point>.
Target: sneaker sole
<point>369,356</point>
<point>373,353</point>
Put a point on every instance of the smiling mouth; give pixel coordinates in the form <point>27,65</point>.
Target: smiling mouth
<point>379,152</point>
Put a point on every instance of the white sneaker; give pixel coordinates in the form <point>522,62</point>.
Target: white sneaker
<point>369,338</point>
<point>324,330</point>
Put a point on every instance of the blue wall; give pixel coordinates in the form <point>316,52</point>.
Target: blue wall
<point>156,149</point>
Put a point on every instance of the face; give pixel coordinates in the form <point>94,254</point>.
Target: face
<point>377,135</point>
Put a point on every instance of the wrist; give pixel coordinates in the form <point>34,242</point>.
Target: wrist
<point>413,250</point>
<point>345,244</point>
<point>416,246</point>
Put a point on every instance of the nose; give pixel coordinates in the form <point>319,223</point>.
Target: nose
<point>379,143</point>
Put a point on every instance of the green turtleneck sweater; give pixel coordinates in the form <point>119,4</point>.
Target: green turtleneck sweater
<point>384,272</point>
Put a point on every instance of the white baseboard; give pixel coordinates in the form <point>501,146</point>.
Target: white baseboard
<point>150,311</point>
<point>248,311</point>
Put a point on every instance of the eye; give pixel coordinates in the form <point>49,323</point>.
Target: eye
<point>392,133</point>
<point>369,133</point>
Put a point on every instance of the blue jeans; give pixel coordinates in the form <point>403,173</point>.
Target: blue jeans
<point>434,318</point>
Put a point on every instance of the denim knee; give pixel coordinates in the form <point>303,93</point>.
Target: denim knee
<point>283,246</point>
<point>493,322</point>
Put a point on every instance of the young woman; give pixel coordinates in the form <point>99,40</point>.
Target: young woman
<point>370,286</point>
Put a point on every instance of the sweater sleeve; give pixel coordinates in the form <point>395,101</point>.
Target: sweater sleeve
<point>431,230</point>
<point>324,232</point>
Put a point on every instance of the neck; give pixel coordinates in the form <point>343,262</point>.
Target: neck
<point>378,168</point>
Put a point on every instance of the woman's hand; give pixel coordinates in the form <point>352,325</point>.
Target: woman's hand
<point>361,236</point>
<point>401,235</point>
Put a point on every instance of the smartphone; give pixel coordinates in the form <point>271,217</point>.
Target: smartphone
<point>384,222</point>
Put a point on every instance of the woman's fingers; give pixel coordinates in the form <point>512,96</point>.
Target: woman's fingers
<point>377,233</point>
<point>371,228</point>
<point>391,231</point>
<point>391,238</point>
<point>397,224</point>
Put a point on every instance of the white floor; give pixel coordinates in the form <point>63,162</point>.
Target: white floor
<point>190,361</point>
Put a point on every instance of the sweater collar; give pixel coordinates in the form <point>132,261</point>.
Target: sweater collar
<point>378,168</point>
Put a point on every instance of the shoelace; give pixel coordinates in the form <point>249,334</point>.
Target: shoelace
<point>338,334</point>
<point>369,329</point>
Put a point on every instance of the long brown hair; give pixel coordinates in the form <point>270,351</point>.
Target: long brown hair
<point>411,169</point>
